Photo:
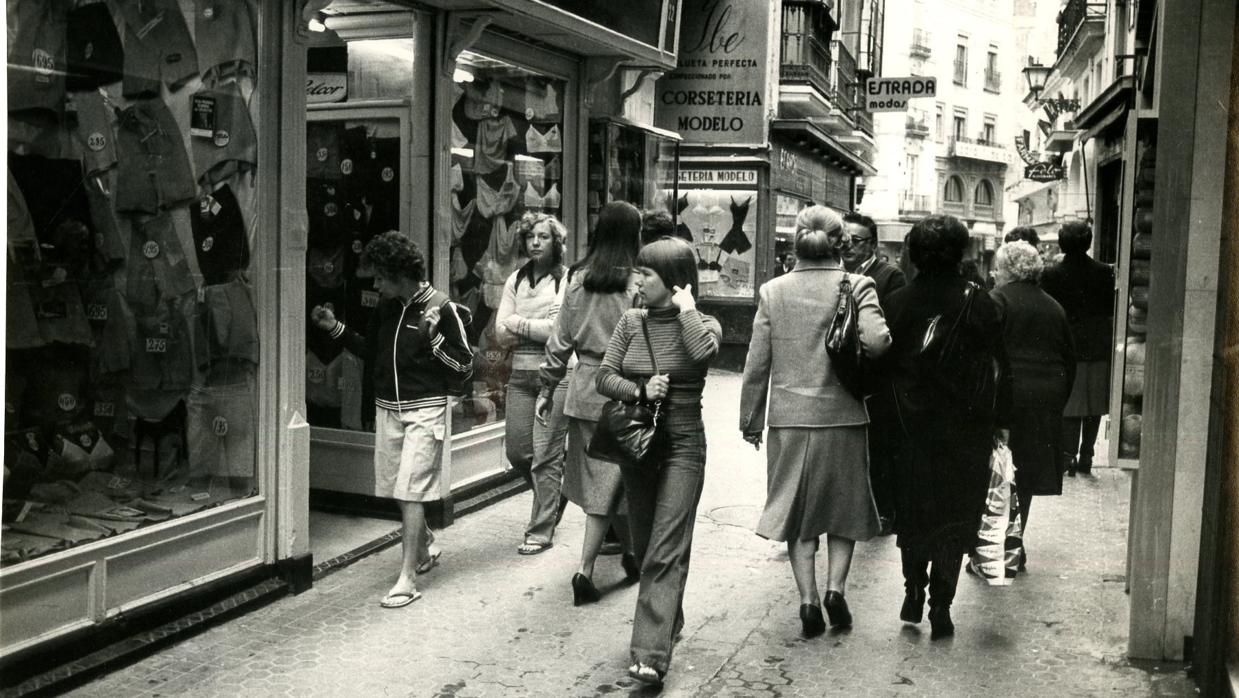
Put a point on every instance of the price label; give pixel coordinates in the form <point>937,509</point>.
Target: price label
<point>156,345</point>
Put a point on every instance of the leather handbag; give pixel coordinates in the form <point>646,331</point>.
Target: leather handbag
<point>625,430</point>
<point>947,345</point>
<point>843,342</point>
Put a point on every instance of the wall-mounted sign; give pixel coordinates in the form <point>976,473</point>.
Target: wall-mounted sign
<point>796,170</point>
<point>1044,172</point>
<point>892,94</point>
<point>717,93</point>
<point>724,177</point>
<point>1021,147</point>
<point>325,87</point>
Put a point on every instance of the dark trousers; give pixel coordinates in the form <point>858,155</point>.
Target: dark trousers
<point>939,571</point>
<point>1079,435</point>
<point>662,507</point>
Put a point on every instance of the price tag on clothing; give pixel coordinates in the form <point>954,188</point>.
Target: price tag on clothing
<point>156,345</point>
<point>202,116</point>
<point>369,299</point>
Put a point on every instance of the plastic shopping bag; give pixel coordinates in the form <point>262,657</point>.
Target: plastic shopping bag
<point>996,555</point>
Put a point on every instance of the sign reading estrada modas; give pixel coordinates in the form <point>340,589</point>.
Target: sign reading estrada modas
<point>716,94</point>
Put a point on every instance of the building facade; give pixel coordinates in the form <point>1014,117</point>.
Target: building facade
<point>951,154</point>
<point>169,410</point>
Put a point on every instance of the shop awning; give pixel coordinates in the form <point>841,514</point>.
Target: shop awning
<point>845,159</point>
<point>1062,141</point>
<point>1110,106</point>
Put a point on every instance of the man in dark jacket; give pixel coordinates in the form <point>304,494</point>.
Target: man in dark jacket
<point>1085,289</point>
<point>859,257</point>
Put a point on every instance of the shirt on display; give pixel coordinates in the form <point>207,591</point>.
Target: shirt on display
<point>550,142</point>
<point>226,33</point>
<point>220,424</point>
<point>37,56</point>
<point>158,47</point>
<point>220,242</point>
<point>490,151</point>
<point>483,103</point>
<point>95,54</point>
<point>154,171</point>
<point>222,134</point>
<point>94,130</point>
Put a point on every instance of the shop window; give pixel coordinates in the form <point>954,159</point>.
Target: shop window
<point>954,192</point>
<point>984,195</point>
<point>507,158</point>
<point>722,223</point>
<point>132,332</point>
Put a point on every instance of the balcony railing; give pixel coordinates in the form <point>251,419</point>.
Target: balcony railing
<point>1072,17</point>
<point>843,78</point>
<point>961,72</point>
<point>806,59</point>
<point>993,80</point>
<point>919,48</point>
<point>917,127</point>
<point>978,149</point>
<point>913,203</point>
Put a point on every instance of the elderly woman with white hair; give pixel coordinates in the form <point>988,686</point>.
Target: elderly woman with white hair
<point>817,465</point>
<point>1039,346</point>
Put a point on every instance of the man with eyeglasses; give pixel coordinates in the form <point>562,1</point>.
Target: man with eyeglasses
<point>859,257</point>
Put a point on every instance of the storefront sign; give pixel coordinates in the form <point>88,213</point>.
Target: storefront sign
<point>1043,172</point>
<point>325,87</point>
<point>1021,147</point>
<point>717,94</point>
<point>800,172</point>
<point>724,177</point>
<point>892,94</point>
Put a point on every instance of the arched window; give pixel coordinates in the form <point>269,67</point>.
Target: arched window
<point>984,195</point>
<point>954,190</point>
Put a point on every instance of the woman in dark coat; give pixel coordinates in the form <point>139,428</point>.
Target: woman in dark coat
<point>941,467</point>
<point>1037,339</point>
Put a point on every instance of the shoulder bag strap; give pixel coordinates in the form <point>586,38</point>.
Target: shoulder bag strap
<point>645,330</point>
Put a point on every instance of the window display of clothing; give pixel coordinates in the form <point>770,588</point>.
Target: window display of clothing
<point>95,56</point>
<point>490,151</point>
<point>538,142</point>
<point>541,101</point>
<point>736,241</point>
<point>37,57</point>
<point>222,134</point>
<point>496,202</point>
<point>158,47</point>
<point>226,35</point>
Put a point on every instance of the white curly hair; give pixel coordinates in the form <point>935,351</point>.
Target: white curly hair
<point>1018,261</point>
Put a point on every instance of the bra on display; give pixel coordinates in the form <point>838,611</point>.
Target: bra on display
<point>491,202</point>
<point>550,200</point>
<point>490,151</point>
<point>325,267</point>
<point>460,217</point>
<point>550,142</point>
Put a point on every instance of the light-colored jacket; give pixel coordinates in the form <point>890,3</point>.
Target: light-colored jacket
<point>787,365</point>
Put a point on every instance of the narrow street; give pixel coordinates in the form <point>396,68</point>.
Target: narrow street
<point>492,623</point>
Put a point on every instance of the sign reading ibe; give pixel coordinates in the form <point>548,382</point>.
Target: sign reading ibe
<point>892,94</point>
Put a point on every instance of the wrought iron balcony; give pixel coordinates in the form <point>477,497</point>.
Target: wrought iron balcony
<point>913,203</point>
<point>806,59</point>
<point>843,79</point>
<point>920,48</point>
<point>917,127</point>
<point>993,80</point>
<point>1077,18</point>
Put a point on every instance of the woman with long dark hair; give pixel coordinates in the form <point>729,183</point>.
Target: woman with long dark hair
<point>524,320</point>
<point>664,491</point>
<point>597,291</point>
<point>949,422</point>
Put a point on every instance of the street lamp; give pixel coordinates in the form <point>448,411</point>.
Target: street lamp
<point>1036,74</point>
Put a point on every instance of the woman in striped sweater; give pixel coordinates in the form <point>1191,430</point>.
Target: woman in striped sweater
<point>663,493</point>
<point>524,320</point>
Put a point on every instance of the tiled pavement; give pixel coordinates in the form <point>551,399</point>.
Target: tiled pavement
<point>495,624</point>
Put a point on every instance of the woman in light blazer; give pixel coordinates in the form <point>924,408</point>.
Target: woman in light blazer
<point>818,460</point>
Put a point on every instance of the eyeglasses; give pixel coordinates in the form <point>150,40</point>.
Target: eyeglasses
<point>859,239</point>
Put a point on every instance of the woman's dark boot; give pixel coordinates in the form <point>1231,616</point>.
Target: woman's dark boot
<point>915,579</point>
<point>940,623</point>
<point>943,578</point>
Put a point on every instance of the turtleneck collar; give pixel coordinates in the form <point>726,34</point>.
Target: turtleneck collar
<point>663,313</point>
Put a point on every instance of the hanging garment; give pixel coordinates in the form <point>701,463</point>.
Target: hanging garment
<point>458,178</point>
<point>736,242</point>
<point>459,269</point>
<point>351,404</point>
<point>541,101</point>
<point>493,203</point>
<point>458,138</point>
<point>550,142</point>
<point>554,169</point>
<point>491,151</point>
<point>94,131</point>
<point>503,248</point>
<point>322,380</point>
<point>96,56</point>
<point>77,449</point>
<point>531,171</point>
<point>460,217</point>
<point>533,200</point>
<point>222,135</point>
<point>220,423</point>
<point>483,103</point>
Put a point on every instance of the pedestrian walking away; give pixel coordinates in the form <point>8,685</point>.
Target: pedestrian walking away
<point>1084,288</point>
<point>524,321</point>
<point>860,257</point>
<point>664,489</point>
<point>817,468</point>
<point>417,345</point>
<point>1037,340</point>
<point>951,404</point>
<point>599,289</point>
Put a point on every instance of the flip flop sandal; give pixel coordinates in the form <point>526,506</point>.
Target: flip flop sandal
<point>533,548</point>
<point>430,563</point>
<point>400,599</point>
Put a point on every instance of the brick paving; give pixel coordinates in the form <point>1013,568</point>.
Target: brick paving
<point>492,623</point>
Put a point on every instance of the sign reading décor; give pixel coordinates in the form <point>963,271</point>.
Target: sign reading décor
<point>892,94</point>
<point>716,94</point>
<point>321,88</point>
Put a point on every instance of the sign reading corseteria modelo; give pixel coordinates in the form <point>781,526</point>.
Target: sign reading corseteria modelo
<point>892,94</point>
<point>716,94</point>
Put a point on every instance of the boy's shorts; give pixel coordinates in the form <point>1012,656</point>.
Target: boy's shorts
<point>408,452</point>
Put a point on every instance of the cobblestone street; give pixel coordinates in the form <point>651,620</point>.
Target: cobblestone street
<point>492,623</point>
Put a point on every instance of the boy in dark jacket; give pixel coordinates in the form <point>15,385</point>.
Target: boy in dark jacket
<point>416,352</point>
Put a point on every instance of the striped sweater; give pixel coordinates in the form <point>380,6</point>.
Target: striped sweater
<point>685,343</point>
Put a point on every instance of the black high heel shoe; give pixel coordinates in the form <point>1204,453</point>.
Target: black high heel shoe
<point>940,623</point>
<point>811,622</point>
<point>583,590</point>
<point>913,606</point>
<point>632,571</point>
<point>837,610</point>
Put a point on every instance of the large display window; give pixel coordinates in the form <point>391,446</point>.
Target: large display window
<point>507,157</point>
<point>132,337</point>
<point>631,163</point>
<point>718,210</point>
